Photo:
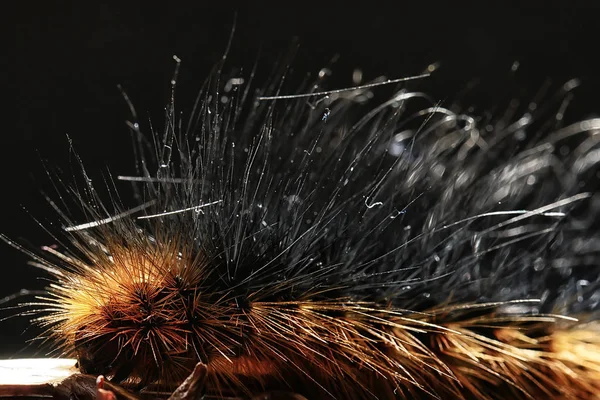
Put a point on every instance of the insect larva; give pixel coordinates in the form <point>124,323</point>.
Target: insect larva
<point>329,245</point>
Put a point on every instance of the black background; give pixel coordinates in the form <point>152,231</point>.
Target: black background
<point>64,61</point>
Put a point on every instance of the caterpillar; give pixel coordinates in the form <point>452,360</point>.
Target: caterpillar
<point>331,244</point>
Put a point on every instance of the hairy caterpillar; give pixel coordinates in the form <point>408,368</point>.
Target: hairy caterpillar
<point>333,246</point>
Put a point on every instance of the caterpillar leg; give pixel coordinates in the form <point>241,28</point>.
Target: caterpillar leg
<point>193,387</point>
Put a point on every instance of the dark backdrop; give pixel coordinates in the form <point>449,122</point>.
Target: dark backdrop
<point>64,61</point>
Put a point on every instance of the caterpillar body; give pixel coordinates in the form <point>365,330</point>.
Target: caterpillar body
<point>334,246</point>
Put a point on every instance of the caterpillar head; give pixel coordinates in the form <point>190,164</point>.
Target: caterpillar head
<point>132,311</point>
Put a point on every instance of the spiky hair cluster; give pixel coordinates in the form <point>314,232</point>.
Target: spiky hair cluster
<point>339,246</point>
